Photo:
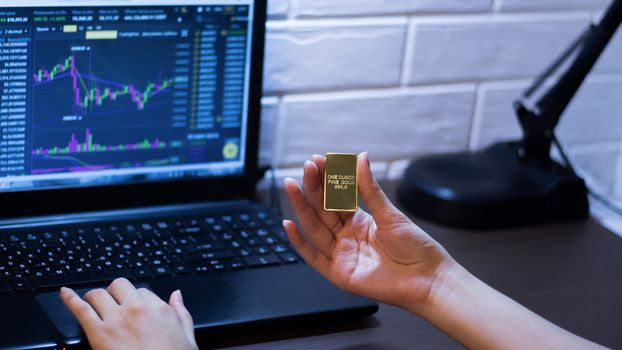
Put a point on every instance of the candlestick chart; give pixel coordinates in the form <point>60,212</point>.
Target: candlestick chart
<point>120,97</point>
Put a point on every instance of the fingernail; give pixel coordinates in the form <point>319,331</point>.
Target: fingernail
<point>285,222</point>
<point>179,297</point>
<point>65,290</point>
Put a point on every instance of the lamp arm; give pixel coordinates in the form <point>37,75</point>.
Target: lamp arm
<point>543,103</point>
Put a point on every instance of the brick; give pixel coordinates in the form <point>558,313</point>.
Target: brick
<point>389,124</point>
<point>300,58</point>
<point>489,47</point>
<point>327,8</point>
<point>269,122</point>
<point>278,8</point>
<point>592,117</point>
<point>496,120</point>
<point>539,5</point>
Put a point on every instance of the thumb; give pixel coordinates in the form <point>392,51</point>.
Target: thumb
<point>375,199</point>
<point>176,301</point>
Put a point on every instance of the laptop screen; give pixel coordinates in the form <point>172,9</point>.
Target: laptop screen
<point>107,92</point>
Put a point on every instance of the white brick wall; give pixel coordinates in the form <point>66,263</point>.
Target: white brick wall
<point>551,5</point>
<point>404,78</point>
<point>389,124</point>
<point>486,48</point>
<point>349,8</point>
<point>313,56</point>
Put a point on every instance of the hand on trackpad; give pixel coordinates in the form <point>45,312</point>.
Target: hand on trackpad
<point>62,318</point>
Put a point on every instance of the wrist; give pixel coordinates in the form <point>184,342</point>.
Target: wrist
<point>446,285</point>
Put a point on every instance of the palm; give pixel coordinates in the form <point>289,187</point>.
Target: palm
<point>382,255</point>
<point>366,260</point>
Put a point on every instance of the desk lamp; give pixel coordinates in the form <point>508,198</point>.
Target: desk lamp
<point>515,183</point>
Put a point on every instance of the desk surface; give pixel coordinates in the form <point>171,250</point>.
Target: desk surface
<point>570,273</point>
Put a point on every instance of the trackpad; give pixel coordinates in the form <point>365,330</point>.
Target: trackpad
<point>60,315</point>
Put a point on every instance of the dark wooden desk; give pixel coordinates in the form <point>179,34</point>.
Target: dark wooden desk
<point>569,273</point>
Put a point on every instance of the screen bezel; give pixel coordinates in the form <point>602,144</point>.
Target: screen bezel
<point>82,199</point>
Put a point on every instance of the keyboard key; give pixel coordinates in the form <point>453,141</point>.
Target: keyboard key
<point>142,273</point>
<point>201,268</point>
<point>234,265</point>
<point>194,257</point>
<point>154,262</point>
<point>265,260</point>
<point>206,247</point>
<point>191,230</point>
<point>261,232</point>
<point>261,250</point>
<point>180,269</point>
<point>270,240</point>
<point>19,285</point>
<point>289,258</point>
<point>218,267</point>
<point>162,225</point>
<point>134,263</point>
<point>279,248</point>
<point>162,271</point>
<point>68,280</point>
<point>243,252</point>
<point>251,242</point>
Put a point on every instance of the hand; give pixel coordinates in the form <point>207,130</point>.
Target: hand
<point>123,317</point>
<point>381,255</point>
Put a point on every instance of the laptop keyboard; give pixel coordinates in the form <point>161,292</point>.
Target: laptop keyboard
<point>140,250</point>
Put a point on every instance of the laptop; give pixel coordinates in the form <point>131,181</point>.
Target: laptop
<point>128,148</point>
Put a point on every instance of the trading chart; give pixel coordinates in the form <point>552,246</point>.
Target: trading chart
<point>88,89</point>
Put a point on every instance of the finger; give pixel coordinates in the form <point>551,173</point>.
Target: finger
<point>320,163</point>
<point>309,253</point>
<point>83,312</point>
<point>321,237</point>
<point>314,191</point>
<point>176,301</point>
<point>149,296</point>
<point>122,290</point>
<point>373,196</point>
<point>103,303</point>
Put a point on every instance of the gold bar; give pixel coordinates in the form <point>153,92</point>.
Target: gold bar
<point>101,34</point>
<point>341,182</point>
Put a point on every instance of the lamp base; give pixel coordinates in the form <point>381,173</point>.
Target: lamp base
<point>493,188</point>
